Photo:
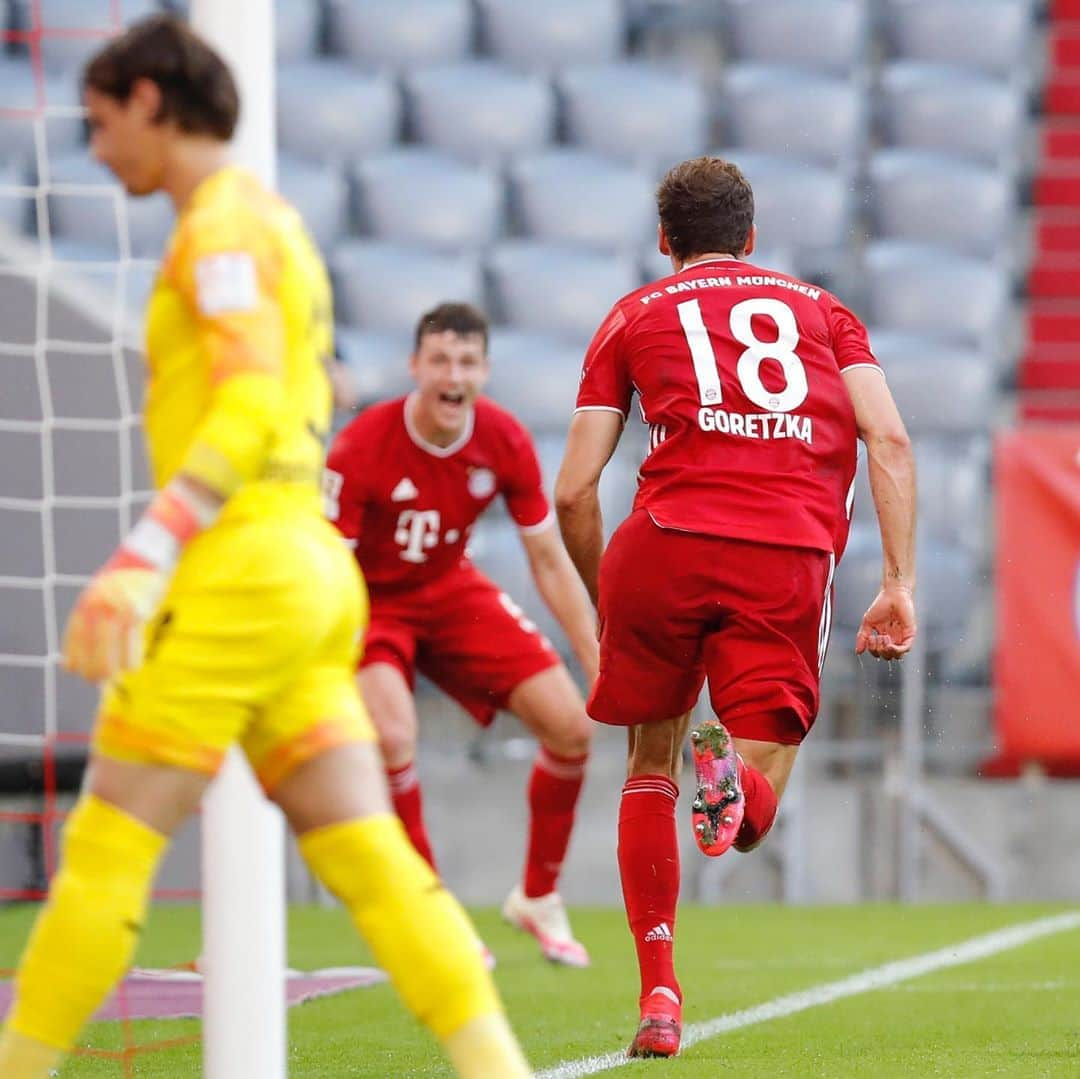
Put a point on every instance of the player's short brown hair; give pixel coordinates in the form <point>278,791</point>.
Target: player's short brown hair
<point>459,318</point>
<point>705,204</point>
<point>198,92</point>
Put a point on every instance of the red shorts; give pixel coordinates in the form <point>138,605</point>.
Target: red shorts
<point>463,633</point>
<point>677,607</point>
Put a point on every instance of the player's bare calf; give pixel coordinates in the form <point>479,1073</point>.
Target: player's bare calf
<point>718,804</point>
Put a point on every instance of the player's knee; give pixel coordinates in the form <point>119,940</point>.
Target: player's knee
<point>570,738</point>
<point>397,743</point>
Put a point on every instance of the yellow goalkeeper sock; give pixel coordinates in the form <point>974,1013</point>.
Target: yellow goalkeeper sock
<point>85,937</point>
<point>25,1058</point>
<point>420,936</point>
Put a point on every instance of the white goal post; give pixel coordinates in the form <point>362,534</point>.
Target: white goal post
<point>244,1035</point>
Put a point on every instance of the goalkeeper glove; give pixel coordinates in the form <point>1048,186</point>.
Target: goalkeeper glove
<point>104,633</point>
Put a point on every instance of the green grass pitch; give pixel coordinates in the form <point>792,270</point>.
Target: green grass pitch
<point>1014,1014</point>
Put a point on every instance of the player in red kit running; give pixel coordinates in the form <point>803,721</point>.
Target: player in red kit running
<point>755,386</point>
<point>407,480</point>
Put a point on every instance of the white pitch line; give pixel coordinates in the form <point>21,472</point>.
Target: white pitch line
<point>902,970</point>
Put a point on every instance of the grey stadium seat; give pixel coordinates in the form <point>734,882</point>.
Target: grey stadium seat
<point>827,35</point>
<point>635,111</point>
<point>557,288</point>
<point>319,194</point>
<point>929,289</point>
<point>95,21</point>
<point>296,29</point>
<point>378,361</point>
<point>553,33</point>
<point>928,196</point>
<point>987,35</point>
<point>329,111</point>
<point>389,286</point>
<point>578,196</point>
<point>796,204</point>
<point>88,207</point>
<point>938,107</point>
<point>940,388</point>
<point>954,486</point>
<point>796,113</point>
<point>947,585</point>
<point>18,105</point>
<point>535,376</point>
<point>415,195</point>
<point>480,110</point>
<point>400,33</point>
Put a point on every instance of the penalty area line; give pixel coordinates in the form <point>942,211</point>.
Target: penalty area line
<point>901,970</point>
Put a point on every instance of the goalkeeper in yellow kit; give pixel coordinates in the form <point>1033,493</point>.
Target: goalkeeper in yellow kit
<point>252,605</point>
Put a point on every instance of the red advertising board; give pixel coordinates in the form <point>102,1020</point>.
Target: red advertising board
<point>1037,657</point>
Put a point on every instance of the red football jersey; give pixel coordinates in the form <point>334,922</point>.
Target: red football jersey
<point>752,430</point>
<point>407,506</point>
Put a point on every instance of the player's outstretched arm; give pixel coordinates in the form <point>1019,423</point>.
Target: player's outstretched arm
<point>558,584</point>
<point>591,441</point>
<point>888,627</point>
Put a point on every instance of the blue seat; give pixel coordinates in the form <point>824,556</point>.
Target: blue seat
<point>934,197</point>
<point>414,195</point>
<point>940,107</point>
<point>576,196</point>
<point>480,110</point>
<point>825,35</point>
<point>327,110</point>
<point>378,361</point>
<point>986,35</point>
<point>552,34</point>
<point>800,114</point>
<point>797,205</point>
<point>386,286</point>
<point>535,376</point>
<point>556,288</point>
<point>925,288</point>
<point>400,34</point>
<point>635,111</point>
<point>319,194</point>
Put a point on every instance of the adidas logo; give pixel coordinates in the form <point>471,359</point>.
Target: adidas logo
<point>405,490</point>
<point>659,932</point>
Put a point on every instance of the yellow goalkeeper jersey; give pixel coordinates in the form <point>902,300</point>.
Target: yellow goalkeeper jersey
<point>241,309</point>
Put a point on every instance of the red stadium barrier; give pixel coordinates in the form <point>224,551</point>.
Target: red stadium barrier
<point>1037,663</point>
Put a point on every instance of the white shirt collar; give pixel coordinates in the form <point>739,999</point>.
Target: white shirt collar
<point>431,447</point>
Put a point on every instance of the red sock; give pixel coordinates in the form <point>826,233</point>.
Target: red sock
<point>649,869</point>
<point>409,806</point>
<point>554,787</point>
<point>760,812</point>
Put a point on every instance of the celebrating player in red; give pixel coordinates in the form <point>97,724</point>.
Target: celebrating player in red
<point>407,480</point>
<point>755,386</point>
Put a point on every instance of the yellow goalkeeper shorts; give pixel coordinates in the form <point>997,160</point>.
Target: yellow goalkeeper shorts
<point>256,642</point>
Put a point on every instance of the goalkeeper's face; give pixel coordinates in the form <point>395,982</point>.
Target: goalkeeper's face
<point>450,370</point>
<point>125,138</point>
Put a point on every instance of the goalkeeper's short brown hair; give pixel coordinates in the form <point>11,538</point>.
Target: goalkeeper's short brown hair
<point>705,205</point>
<point>198,92</point>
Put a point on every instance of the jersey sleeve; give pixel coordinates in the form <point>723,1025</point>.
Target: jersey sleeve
<point>850,341</point>
<point>224,270</point>
<point>523,485</point>
<point>343,488</point>
<point>605,378</point>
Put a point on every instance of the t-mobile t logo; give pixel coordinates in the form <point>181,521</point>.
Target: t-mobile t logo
<point>417,532</point>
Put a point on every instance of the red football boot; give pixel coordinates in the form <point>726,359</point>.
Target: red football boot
<point>718,805</point>
<point>660,1027</point>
